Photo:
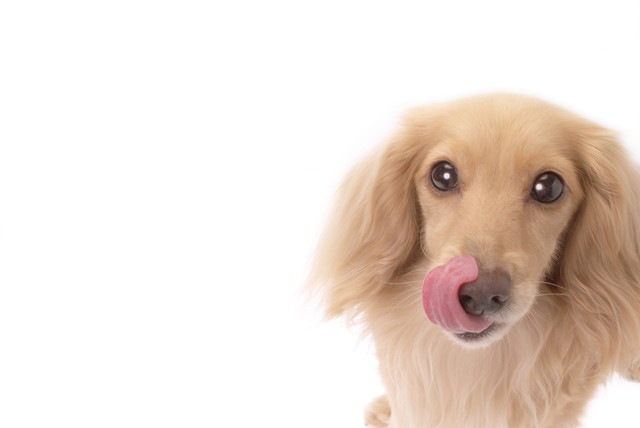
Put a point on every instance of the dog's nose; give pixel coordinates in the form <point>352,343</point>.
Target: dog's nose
<point>487,294</point>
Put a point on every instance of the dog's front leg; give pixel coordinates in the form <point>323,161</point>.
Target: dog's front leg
<point>633,371</point>
<point>377,413</point>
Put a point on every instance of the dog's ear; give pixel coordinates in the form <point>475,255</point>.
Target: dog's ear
<point>600,264</point>
<point>374,229</point>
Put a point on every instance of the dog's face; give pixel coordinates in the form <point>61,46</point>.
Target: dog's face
<point>496,200</point>
<point>512,223</point>
<point>501,189</point>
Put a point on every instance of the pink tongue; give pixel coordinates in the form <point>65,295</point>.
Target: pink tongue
<point>440,296</point>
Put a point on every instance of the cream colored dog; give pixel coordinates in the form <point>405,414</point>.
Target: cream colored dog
<point>491,249</point>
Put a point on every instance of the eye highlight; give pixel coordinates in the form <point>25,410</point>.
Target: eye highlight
<point>444,176</point>
<point>547,187</point>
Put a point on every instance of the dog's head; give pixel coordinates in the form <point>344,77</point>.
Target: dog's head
<point>496,192</point>
<point>498,199</point>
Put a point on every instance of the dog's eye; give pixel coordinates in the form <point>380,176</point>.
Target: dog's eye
<point>444,176</point>
<point>547,188</point>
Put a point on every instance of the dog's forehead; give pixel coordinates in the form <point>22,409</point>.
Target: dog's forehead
<point>518,140</point>
<point>496,145</point>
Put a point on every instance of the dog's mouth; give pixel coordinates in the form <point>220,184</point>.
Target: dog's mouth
<point>473,337</point>
<point>441,302</point>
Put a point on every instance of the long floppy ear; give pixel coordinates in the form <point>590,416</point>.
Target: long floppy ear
<point>374,228</point>
<point>600,266</point>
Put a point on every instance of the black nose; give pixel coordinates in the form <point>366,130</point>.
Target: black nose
<point>487,294</point>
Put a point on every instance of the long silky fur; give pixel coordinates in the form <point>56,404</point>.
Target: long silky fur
<point>583,326</point>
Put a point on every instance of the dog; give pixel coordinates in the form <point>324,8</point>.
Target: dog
<point>491,249</point>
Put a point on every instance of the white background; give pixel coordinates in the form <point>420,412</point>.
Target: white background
<point>166,167</point>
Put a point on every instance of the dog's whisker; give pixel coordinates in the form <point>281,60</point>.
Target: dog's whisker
<point>413,294</point>
<point>550,294</point>
<point>400,283</point>
<point>552,284</point>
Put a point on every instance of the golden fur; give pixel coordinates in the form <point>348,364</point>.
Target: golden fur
<point>575,264</point>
